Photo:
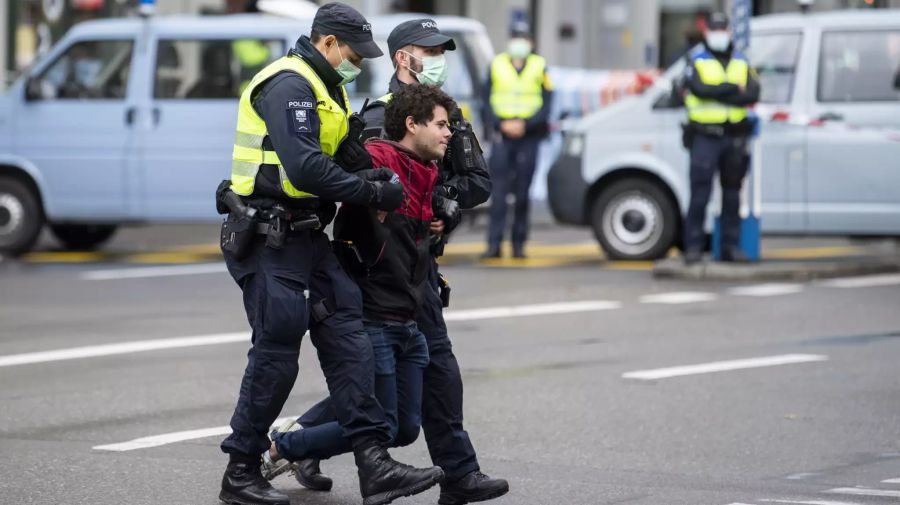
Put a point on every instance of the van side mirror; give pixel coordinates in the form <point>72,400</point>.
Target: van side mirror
<point>33,89</point>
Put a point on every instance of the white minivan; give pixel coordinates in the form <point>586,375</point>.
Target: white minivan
<point>829,143</point>
<point>129,121</point>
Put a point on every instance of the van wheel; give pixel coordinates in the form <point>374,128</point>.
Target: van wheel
<point>634,219</point>
<point>21,217</point>
<point>82,237</point>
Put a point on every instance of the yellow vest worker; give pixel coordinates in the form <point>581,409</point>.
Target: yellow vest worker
<point>721,86</point>
<point>291,127</point>
<point>519,94</point>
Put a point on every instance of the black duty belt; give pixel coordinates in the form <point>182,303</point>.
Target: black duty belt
<point>306,223</point>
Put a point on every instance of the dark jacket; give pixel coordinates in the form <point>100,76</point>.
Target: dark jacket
<point>398,262</point>
<point>307,167</point>
<point>469,189</point>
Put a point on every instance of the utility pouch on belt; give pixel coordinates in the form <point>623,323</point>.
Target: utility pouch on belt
<point>276,233</point>
<point>237,235</point>
<point>687,135</point>
<point>444,288</point>
<point>322,310</point>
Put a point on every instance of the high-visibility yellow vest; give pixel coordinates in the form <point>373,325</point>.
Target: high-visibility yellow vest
<point>710,71</point>
<point>248,154</point>
<point>514,94</point>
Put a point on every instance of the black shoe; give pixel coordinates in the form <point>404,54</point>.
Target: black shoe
<point>308,474</point>
<point>734,255</point>
<point>493,252</point>
<point>692,256</point>
<point>519,252</point>
<point>475,486</point>
<point>383,480</point>
<point>243,484</point>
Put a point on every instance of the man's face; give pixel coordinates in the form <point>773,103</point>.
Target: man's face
<point>431,139</point>
<point>411,56</point>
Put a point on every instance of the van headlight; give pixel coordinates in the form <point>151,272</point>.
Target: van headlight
<point>574,145</point>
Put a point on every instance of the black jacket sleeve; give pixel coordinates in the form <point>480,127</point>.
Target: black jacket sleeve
<point>701,90</point>
<point>297,144</point>
<point>469,189</point>
<point>540,122</point>
<point>491,121</point>
<point>749,95</point>
<point>374,118</point>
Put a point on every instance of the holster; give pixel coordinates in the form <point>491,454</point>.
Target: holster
<point>687,135</point>
<point>238,232</point>
<point>444,290</point>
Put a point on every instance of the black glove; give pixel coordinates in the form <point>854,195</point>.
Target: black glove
<point>377,174</point>
<point>448,211</point>
<point>351,155</point>
<point>388,195</point>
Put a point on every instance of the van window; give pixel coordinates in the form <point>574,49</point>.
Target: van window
<point>774,56</point>
<point>209,69</point>
<point>859,66</point>
<point>88,70</point>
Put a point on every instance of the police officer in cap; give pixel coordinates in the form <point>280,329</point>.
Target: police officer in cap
<point>519,93</point>
<point>288,163</point>
<point>417,50</point>
<point>721,85</point>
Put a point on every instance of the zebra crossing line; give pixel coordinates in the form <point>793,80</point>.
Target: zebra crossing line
<point>862,492</point>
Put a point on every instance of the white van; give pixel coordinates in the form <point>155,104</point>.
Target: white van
<point>830,141</point>
<point>129,121</point>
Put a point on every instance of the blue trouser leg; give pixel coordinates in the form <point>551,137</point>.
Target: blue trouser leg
<point>525,163</point>
<point>442,397</point>
<point>705,154</point>
<point>273,284</point>
<point>501,182</point>
<point>411,361</point>
<point>735,163</point>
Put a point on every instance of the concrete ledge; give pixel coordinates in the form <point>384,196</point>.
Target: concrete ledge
<point>770,270</point>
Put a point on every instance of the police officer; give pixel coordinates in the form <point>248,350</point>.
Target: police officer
<point>720,86</point>
<point>417,49</point>
<point>519,92</point>
<point>292,119</point>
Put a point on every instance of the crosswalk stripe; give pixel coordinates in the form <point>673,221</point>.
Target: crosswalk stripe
<point>891,481</point>
<point>812,502</point>
<point>679,297</point>
<point>766,290</point>
<point>863,282</point>
<point>723,366</point>
<point>861,491</point>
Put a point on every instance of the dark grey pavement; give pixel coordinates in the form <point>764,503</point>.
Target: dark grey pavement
<point>547,405</point>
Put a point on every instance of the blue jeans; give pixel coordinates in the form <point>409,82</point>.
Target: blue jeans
<point>401,355</point>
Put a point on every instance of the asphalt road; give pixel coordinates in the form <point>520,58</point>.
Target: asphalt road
<point>570,390</point>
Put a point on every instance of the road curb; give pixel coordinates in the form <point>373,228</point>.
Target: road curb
<point>770,270</point>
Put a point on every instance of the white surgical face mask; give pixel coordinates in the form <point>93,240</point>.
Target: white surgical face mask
<point>718,40</point>
<point>434,70</point>
<point>519,48</point>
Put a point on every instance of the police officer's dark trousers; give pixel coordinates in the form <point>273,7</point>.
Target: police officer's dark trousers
<point>726,154</point>
<point>512,167</point>
<point>274,284</point>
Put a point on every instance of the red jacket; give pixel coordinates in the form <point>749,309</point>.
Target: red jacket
<point>396,251</point>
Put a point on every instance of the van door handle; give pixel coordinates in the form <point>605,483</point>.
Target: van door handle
<point>831,116</point>
<point>156,116</point>
<point>130,114</point>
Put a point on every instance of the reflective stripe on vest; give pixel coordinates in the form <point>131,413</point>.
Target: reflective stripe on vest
<point>248,153</point>
<point>514,94</point>
<point>710,71</point>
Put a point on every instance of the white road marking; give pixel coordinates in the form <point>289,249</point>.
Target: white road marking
<point>813,502</point>
<point>723,366</point>
<point>679,297</point>
<point>228,338</point>
<point>863,282</point>
<point>93,351</point>
<point>891,481</point>
<point>861,491</point>
<point>530,310</point>
<point>766,290</point>
<point>147,272</point>
<point>171,438</point>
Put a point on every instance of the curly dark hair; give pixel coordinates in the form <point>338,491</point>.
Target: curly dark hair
<point>418,101</point>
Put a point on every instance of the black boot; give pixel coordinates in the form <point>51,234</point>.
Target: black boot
<point>493,252</point>
<point>693,256</point>
<point>475,486</point>
<point>243,484</point>
<point>734,255</point>
<point>310,476</point>
<point>519,251</point>
<point>383,480</point>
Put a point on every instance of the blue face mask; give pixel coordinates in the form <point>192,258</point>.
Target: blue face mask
<point>348,71</point>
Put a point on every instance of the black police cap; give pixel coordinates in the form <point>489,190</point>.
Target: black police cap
<point>418,32</point>
<point>349,26</point>
<point>717,21</point>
